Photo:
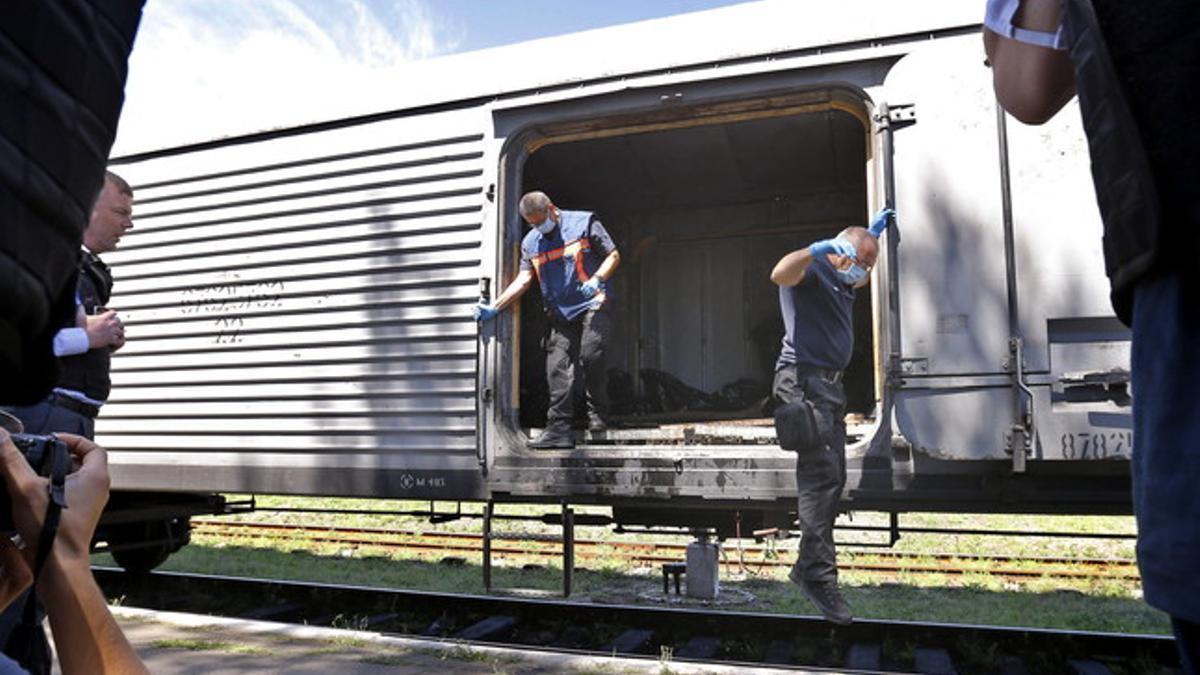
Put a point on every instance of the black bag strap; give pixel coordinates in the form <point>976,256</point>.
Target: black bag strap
<point>27,643</point>
<point>59,465</point>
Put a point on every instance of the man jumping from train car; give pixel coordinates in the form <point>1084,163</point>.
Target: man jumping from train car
<point>85,346</point>
<point>573,257</point>
<point>816,297</point>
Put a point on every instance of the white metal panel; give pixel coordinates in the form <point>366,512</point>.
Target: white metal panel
<point>240,290</point>
<point>953,309</point>
<point>303,294</point>
<point>953,297</point>
<point>425,265</point>
<point>428,386</point>
<point>325,173</point>
<point>404,441</point>
<point>299,373</point>
<point>380,199</point>
<point>433,214</point>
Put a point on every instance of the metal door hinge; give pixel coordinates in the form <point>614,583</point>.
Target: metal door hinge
<point>896,116</point>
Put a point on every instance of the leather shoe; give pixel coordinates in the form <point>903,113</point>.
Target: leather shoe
<point>552,439</point>
<point>826,596</point>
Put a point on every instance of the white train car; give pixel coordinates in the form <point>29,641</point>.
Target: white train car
<point>297,300</point>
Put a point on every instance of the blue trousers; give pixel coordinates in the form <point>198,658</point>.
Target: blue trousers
<point>46,417</point>
<point>1166,445</point>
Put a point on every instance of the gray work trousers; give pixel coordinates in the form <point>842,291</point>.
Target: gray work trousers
<point>576,348</point>
<point>820,472</point>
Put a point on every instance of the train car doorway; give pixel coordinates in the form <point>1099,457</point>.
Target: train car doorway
<point>701,210</point>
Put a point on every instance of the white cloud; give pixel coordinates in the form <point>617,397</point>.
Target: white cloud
<point>203,69</point>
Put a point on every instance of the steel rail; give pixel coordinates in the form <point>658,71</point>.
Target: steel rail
<point>689,634</point>
<point>666,552</point>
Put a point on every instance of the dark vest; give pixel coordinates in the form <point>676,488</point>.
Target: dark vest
<point>88,372</point>
<point>1136,69</point>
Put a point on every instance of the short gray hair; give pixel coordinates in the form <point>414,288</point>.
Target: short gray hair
<point>533,202</point>
<point>121,185</point>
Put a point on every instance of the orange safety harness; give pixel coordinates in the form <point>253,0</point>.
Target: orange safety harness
<point>573,249</point>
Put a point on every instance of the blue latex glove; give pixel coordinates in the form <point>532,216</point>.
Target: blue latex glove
<point>837,246</point>
<point>591,287</point>
<point>881,221</point>
<point>483,312</point>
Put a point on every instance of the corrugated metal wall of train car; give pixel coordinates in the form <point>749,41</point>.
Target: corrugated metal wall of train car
<point>302,295</point>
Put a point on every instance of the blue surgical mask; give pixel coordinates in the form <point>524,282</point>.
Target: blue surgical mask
<point>853,275</point>
<point>547,225</point>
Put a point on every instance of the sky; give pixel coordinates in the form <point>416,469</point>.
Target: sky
<point>202,67</point>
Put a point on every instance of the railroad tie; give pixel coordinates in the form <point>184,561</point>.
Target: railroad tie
<point>491,627</point>
<point>780,652</point>
<point>275,612</point>
<point>864,657</point>
<point>631,641</point>
<point>933,661</point>
<point>1089,668</point>
<point>699,648</point>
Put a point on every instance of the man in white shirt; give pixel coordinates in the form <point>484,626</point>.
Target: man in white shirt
<point>85,347</point>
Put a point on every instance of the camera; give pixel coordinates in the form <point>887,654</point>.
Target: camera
<point>43,453</point>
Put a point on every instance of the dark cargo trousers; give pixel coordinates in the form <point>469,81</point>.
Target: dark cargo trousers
<point>576,348</point>
<point>821,472</point>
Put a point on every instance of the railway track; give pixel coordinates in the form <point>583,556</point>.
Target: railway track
<point>653,632</point>
<point>653,553</point>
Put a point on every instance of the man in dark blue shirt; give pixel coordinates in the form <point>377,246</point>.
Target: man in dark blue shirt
<point>816,297</point>
<point>573,257</point>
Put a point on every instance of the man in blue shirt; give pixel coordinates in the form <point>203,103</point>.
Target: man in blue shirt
<point>573,257</point>
<point>816,297</point>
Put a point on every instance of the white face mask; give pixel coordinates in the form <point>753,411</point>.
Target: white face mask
<point>546,226</point>
<point>852,276</point>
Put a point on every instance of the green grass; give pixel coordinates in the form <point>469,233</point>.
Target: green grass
<point>387,659</point>
<point>348,643</point>
<point>195,645</point>
<point>977,597</point>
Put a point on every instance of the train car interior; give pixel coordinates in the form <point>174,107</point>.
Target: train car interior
<point>700,214</point>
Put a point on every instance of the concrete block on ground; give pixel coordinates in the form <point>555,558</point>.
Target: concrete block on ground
<point>703,570</point>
